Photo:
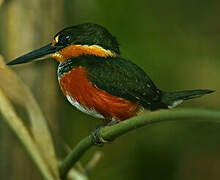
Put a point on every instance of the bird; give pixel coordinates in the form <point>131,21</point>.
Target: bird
<point>98,81</point>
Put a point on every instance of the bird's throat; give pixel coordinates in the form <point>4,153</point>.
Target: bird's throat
<point>79,50</point>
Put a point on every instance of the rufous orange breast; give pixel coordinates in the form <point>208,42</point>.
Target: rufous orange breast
<point>81,93</point>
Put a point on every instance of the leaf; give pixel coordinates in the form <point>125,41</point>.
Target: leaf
<point>16,124</point>
<point>18,92</point>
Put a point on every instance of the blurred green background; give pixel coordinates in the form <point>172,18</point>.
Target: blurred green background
<point>175,41</point>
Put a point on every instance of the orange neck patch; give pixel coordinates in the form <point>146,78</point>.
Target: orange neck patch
<point>78,50</point>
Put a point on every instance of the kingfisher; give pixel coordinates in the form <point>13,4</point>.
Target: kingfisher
<point>98,81</point>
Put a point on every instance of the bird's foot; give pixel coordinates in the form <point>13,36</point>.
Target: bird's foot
<point>113,122</point>
<point>96,139</point>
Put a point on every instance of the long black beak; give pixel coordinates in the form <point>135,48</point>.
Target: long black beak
<point>36,54</point>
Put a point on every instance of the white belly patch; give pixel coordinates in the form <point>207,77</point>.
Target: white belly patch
<point>91,112</point>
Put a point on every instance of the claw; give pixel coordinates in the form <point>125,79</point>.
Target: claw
<point>96,139</point>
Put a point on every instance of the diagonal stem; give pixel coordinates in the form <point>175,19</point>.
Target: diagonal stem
<point>110,133</point>
<point>16,124</point>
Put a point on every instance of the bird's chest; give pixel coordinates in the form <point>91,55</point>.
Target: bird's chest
<point>86,97</point>
<point>79,91</point>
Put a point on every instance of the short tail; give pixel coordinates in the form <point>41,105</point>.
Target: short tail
<point>172,99</point>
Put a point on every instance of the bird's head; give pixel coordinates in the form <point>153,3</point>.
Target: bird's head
<point>83,39</point>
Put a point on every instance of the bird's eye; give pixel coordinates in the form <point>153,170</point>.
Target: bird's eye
<point>63,40</point>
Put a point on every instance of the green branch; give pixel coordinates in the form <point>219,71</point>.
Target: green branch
<point>110,133</point>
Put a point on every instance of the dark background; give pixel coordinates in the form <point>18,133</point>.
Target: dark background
<point>175,41</point>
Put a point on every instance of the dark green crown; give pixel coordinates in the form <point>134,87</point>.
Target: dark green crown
<point>88,34</point>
